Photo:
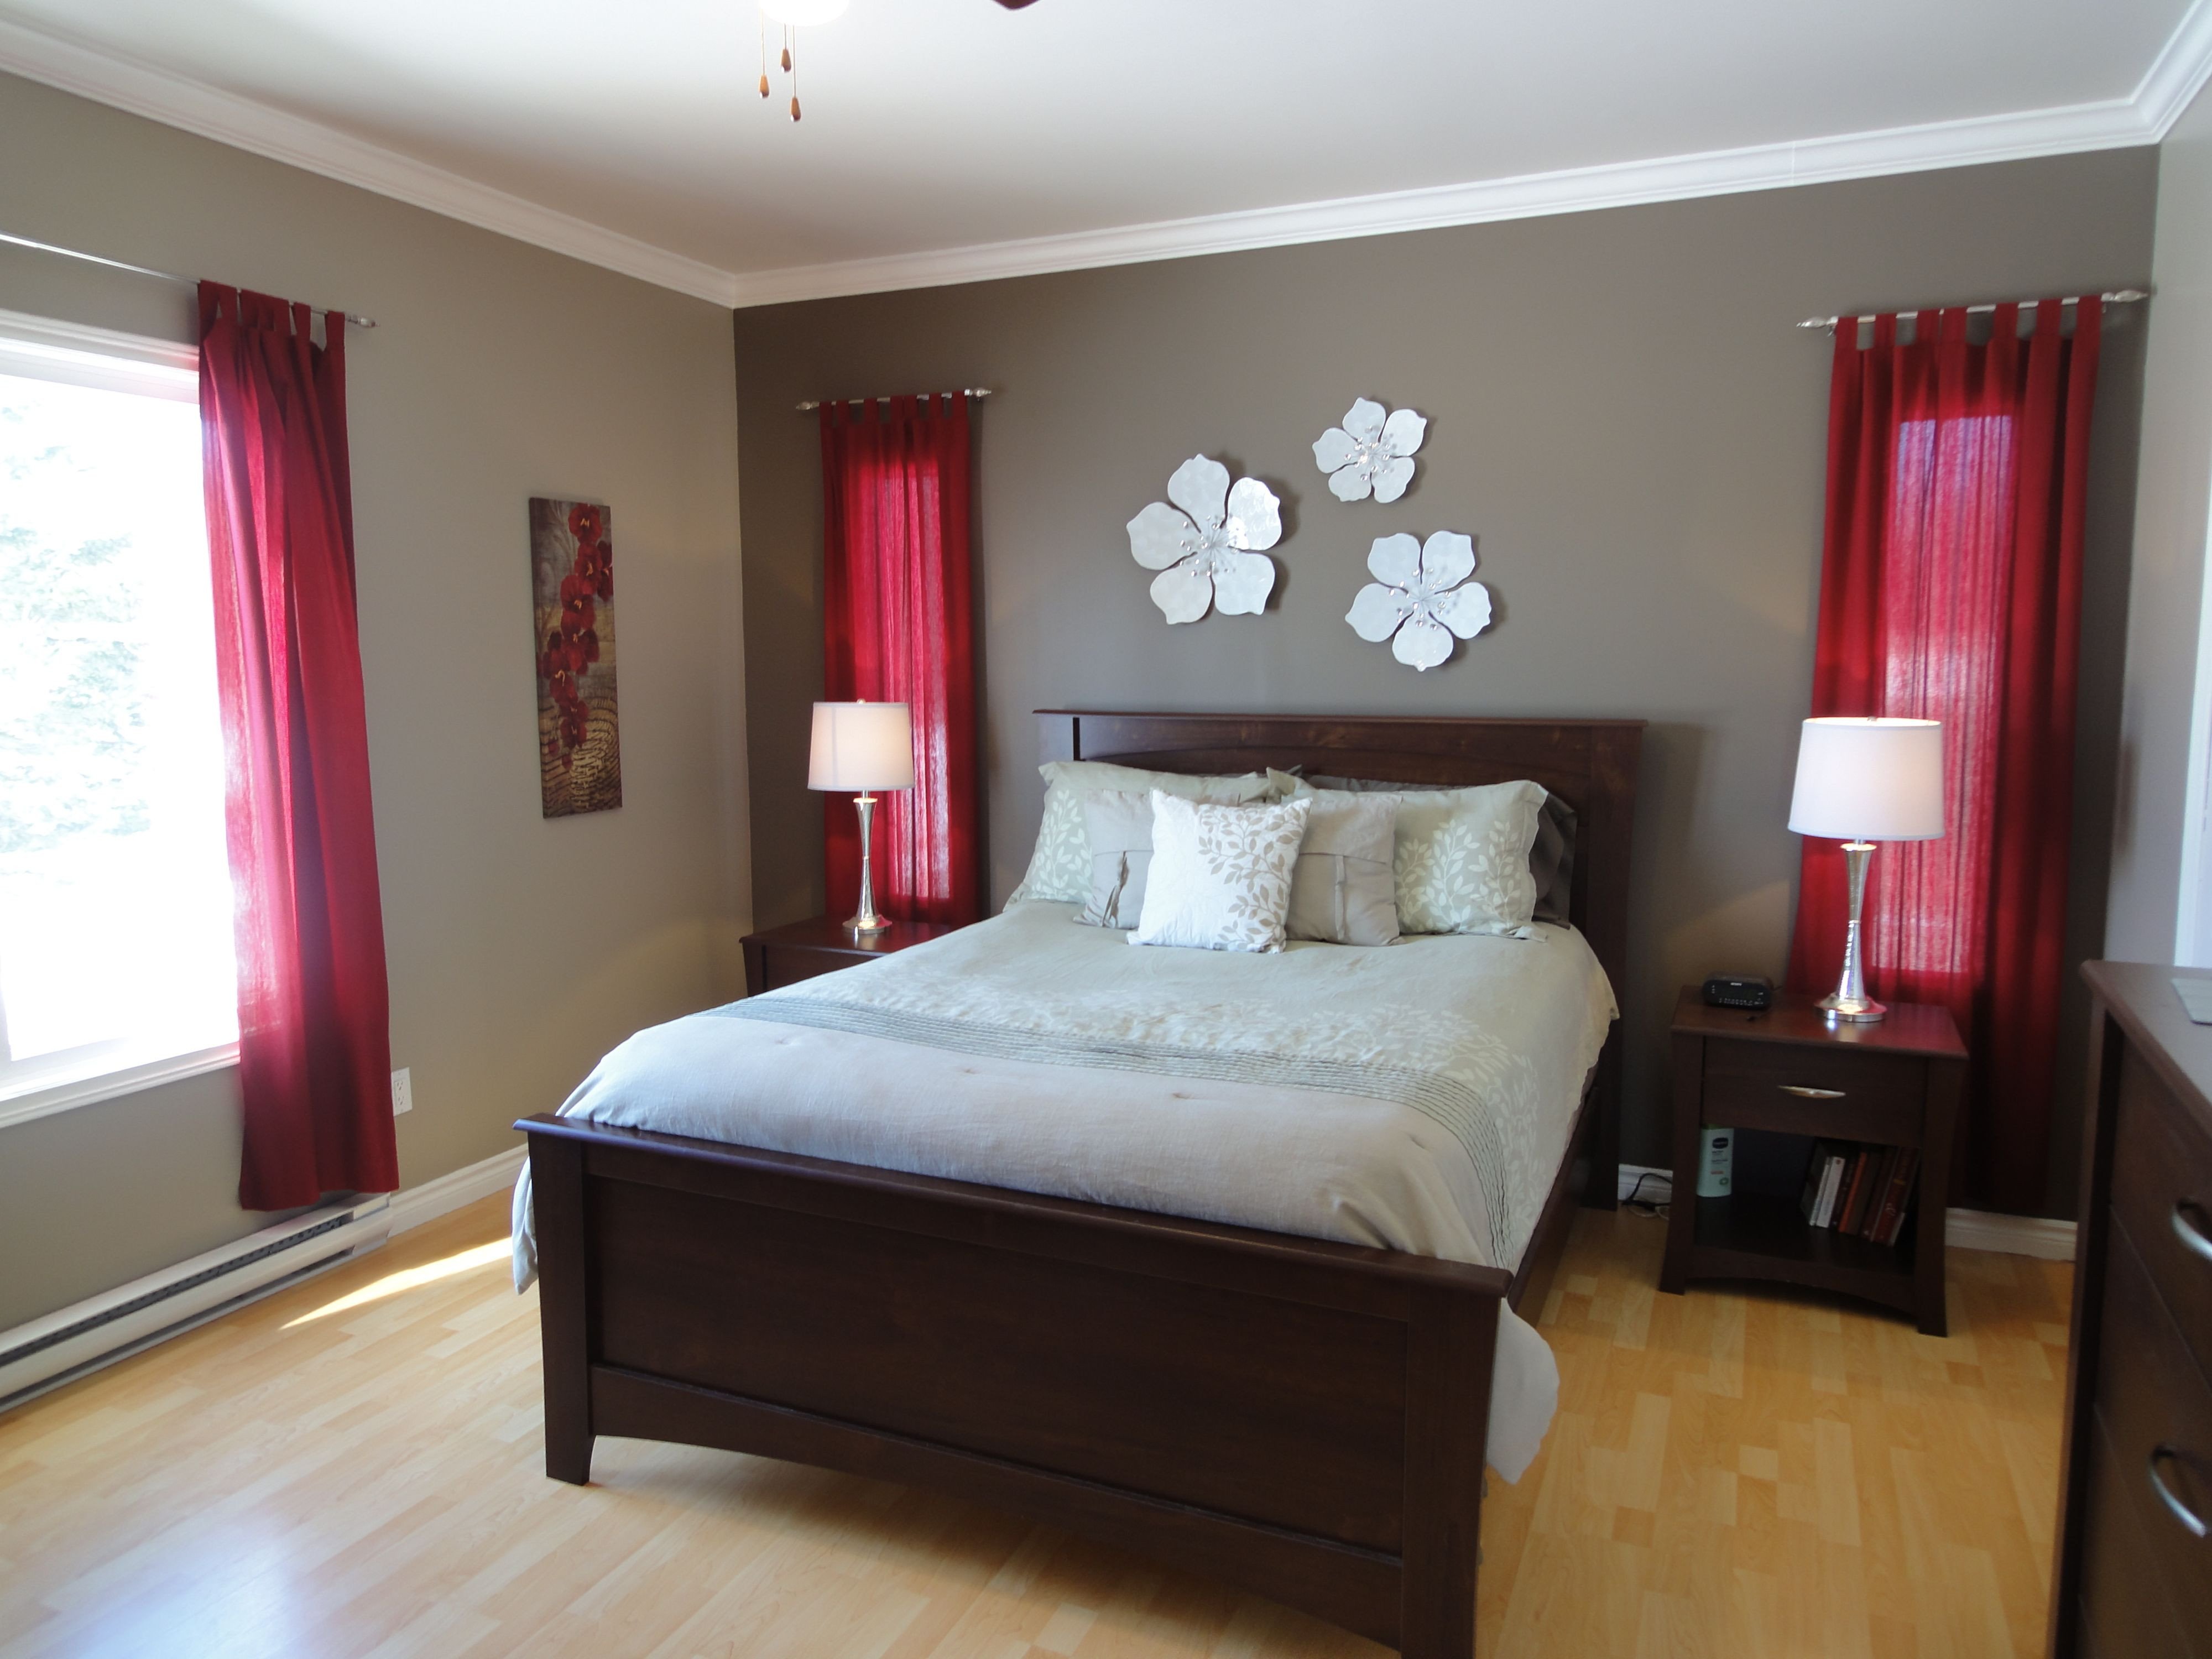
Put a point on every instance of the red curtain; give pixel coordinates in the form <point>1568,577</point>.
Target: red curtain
<point>1951,590</point>
<point>314,1038</point>
<point>898,626</point>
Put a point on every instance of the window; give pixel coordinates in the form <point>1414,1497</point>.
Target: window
<point>115,903</point>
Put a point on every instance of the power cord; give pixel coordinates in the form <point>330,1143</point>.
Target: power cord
<point>1647,1211</point>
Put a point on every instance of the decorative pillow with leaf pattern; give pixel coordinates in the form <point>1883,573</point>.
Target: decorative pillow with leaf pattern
<point>1220,877</point>
<point>1461,860</point>
<point>1059,867</point>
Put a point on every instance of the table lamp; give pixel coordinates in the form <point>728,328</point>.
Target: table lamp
<point>1860,781</point>
<point>862,746</point>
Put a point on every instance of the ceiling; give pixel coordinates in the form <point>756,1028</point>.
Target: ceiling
<point>950,139</point>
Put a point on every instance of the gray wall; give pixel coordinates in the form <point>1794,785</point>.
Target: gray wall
<point>519,950</point>
<point>2167,601</point>
<point>1620,409</point>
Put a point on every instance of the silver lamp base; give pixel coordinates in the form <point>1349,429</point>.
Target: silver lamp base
<point>868,919</point>
<point>1848,1002</point>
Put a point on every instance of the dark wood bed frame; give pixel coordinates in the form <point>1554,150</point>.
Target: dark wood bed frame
<point>1304,1419</point>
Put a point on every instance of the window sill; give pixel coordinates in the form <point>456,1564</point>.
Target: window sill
<point>45,1098</point>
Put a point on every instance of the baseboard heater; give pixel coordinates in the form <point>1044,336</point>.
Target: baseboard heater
<point>49,1351</point>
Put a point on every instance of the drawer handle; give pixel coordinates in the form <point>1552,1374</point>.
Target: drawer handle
<point>1805,1093</point>
<point>2190,1232</point>
<point>2182,1512</point>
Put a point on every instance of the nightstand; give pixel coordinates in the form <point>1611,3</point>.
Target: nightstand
<point>1788,1070</point>
<point>822,944</point>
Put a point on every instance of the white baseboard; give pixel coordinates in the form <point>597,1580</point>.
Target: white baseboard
<point>413,1206</point>
<point>64,1345</point>
<point>1963,1230</point>
<point>2013,1235</point>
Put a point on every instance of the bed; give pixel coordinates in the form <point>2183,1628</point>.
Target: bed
<point>1306,1416</point>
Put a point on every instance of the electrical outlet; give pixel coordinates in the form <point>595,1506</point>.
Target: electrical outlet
<point>403,1092</point>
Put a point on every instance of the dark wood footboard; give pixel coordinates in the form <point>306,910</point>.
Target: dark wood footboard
<point>1305,1418</point>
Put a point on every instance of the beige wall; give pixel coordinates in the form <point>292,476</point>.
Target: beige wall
<point>519,950</point>
<point>1620,409</point>
<point>2166,599</point>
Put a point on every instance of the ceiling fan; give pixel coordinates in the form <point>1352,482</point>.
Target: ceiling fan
<point>790,15</point>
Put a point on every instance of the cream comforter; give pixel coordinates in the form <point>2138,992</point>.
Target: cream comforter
<point>1417,1096</point>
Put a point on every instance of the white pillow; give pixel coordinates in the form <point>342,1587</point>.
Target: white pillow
<point>1059,866</point>
<point>1220,877</point>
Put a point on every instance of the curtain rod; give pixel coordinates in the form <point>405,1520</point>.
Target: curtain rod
<point>354,317</point>
<point>813,404</point>
<point>2119,296</point>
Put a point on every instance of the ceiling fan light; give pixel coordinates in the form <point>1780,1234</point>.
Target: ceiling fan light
<point>804,14</point>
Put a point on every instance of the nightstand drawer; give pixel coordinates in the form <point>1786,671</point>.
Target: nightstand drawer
<point>2162,1194</point>
<point>1826,1090</point>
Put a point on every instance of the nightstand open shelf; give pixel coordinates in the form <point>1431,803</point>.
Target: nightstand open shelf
<point>1765,1236</point>
<point>1788,1071</point>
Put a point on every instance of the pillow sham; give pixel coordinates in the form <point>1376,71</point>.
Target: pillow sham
<point>1059,865</point>
<point>1118,825</point>
<point>1551,859</point>
<point>1220,877</point>
<point>1461,860</point>
<point>1342,888</point>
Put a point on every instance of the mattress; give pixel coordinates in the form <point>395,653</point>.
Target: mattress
<point>1418,1096</point>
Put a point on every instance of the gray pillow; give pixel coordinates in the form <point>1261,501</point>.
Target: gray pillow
<point>1118,824</point>
<point>1550,860</point>
<point>1342,889</point>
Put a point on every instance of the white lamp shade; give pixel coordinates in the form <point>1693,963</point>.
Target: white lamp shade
<point>1869,779</point>
<point>861,745</point>
<point>805,14</point>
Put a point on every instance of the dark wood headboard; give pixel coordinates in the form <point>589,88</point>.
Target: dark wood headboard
<point>1590,764</point>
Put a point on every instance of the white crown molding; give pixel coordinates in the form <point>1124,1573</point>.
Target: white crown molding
<point>2180,70</point>
<point>2113,125</point>
<point>177,101</point>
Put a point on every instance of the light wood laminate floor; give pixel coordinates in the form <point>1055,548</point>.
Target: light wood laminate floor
<point>352,1468</point>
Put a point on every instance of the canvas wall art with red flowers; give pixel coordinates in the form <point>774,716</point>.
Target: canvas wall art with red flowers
<point>573,582</point>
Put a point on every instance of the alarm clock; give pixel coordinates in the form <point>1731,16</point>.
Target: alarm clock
<point>1753,991</point>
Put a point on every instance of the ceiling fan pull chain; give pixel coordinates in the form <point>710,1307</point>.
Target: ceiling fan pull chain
<point>764,46</point>
<point>791,38</point>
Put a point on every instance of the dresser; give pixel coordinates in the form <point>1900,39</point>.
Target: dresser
<point>2133,1570</point>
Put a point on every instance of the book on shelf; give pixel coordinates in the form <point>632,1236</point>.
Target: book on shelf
<point>1889,1224</point>
<point>1855,1191</point>
<point>1822,1178</point>
<point>1859,1188</point>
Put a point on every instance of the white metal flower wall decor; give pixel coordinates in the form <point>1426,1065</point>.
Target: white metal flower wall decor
<point>1418,595</point>
<point>1214,552</point>
<point>1368,453</point>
